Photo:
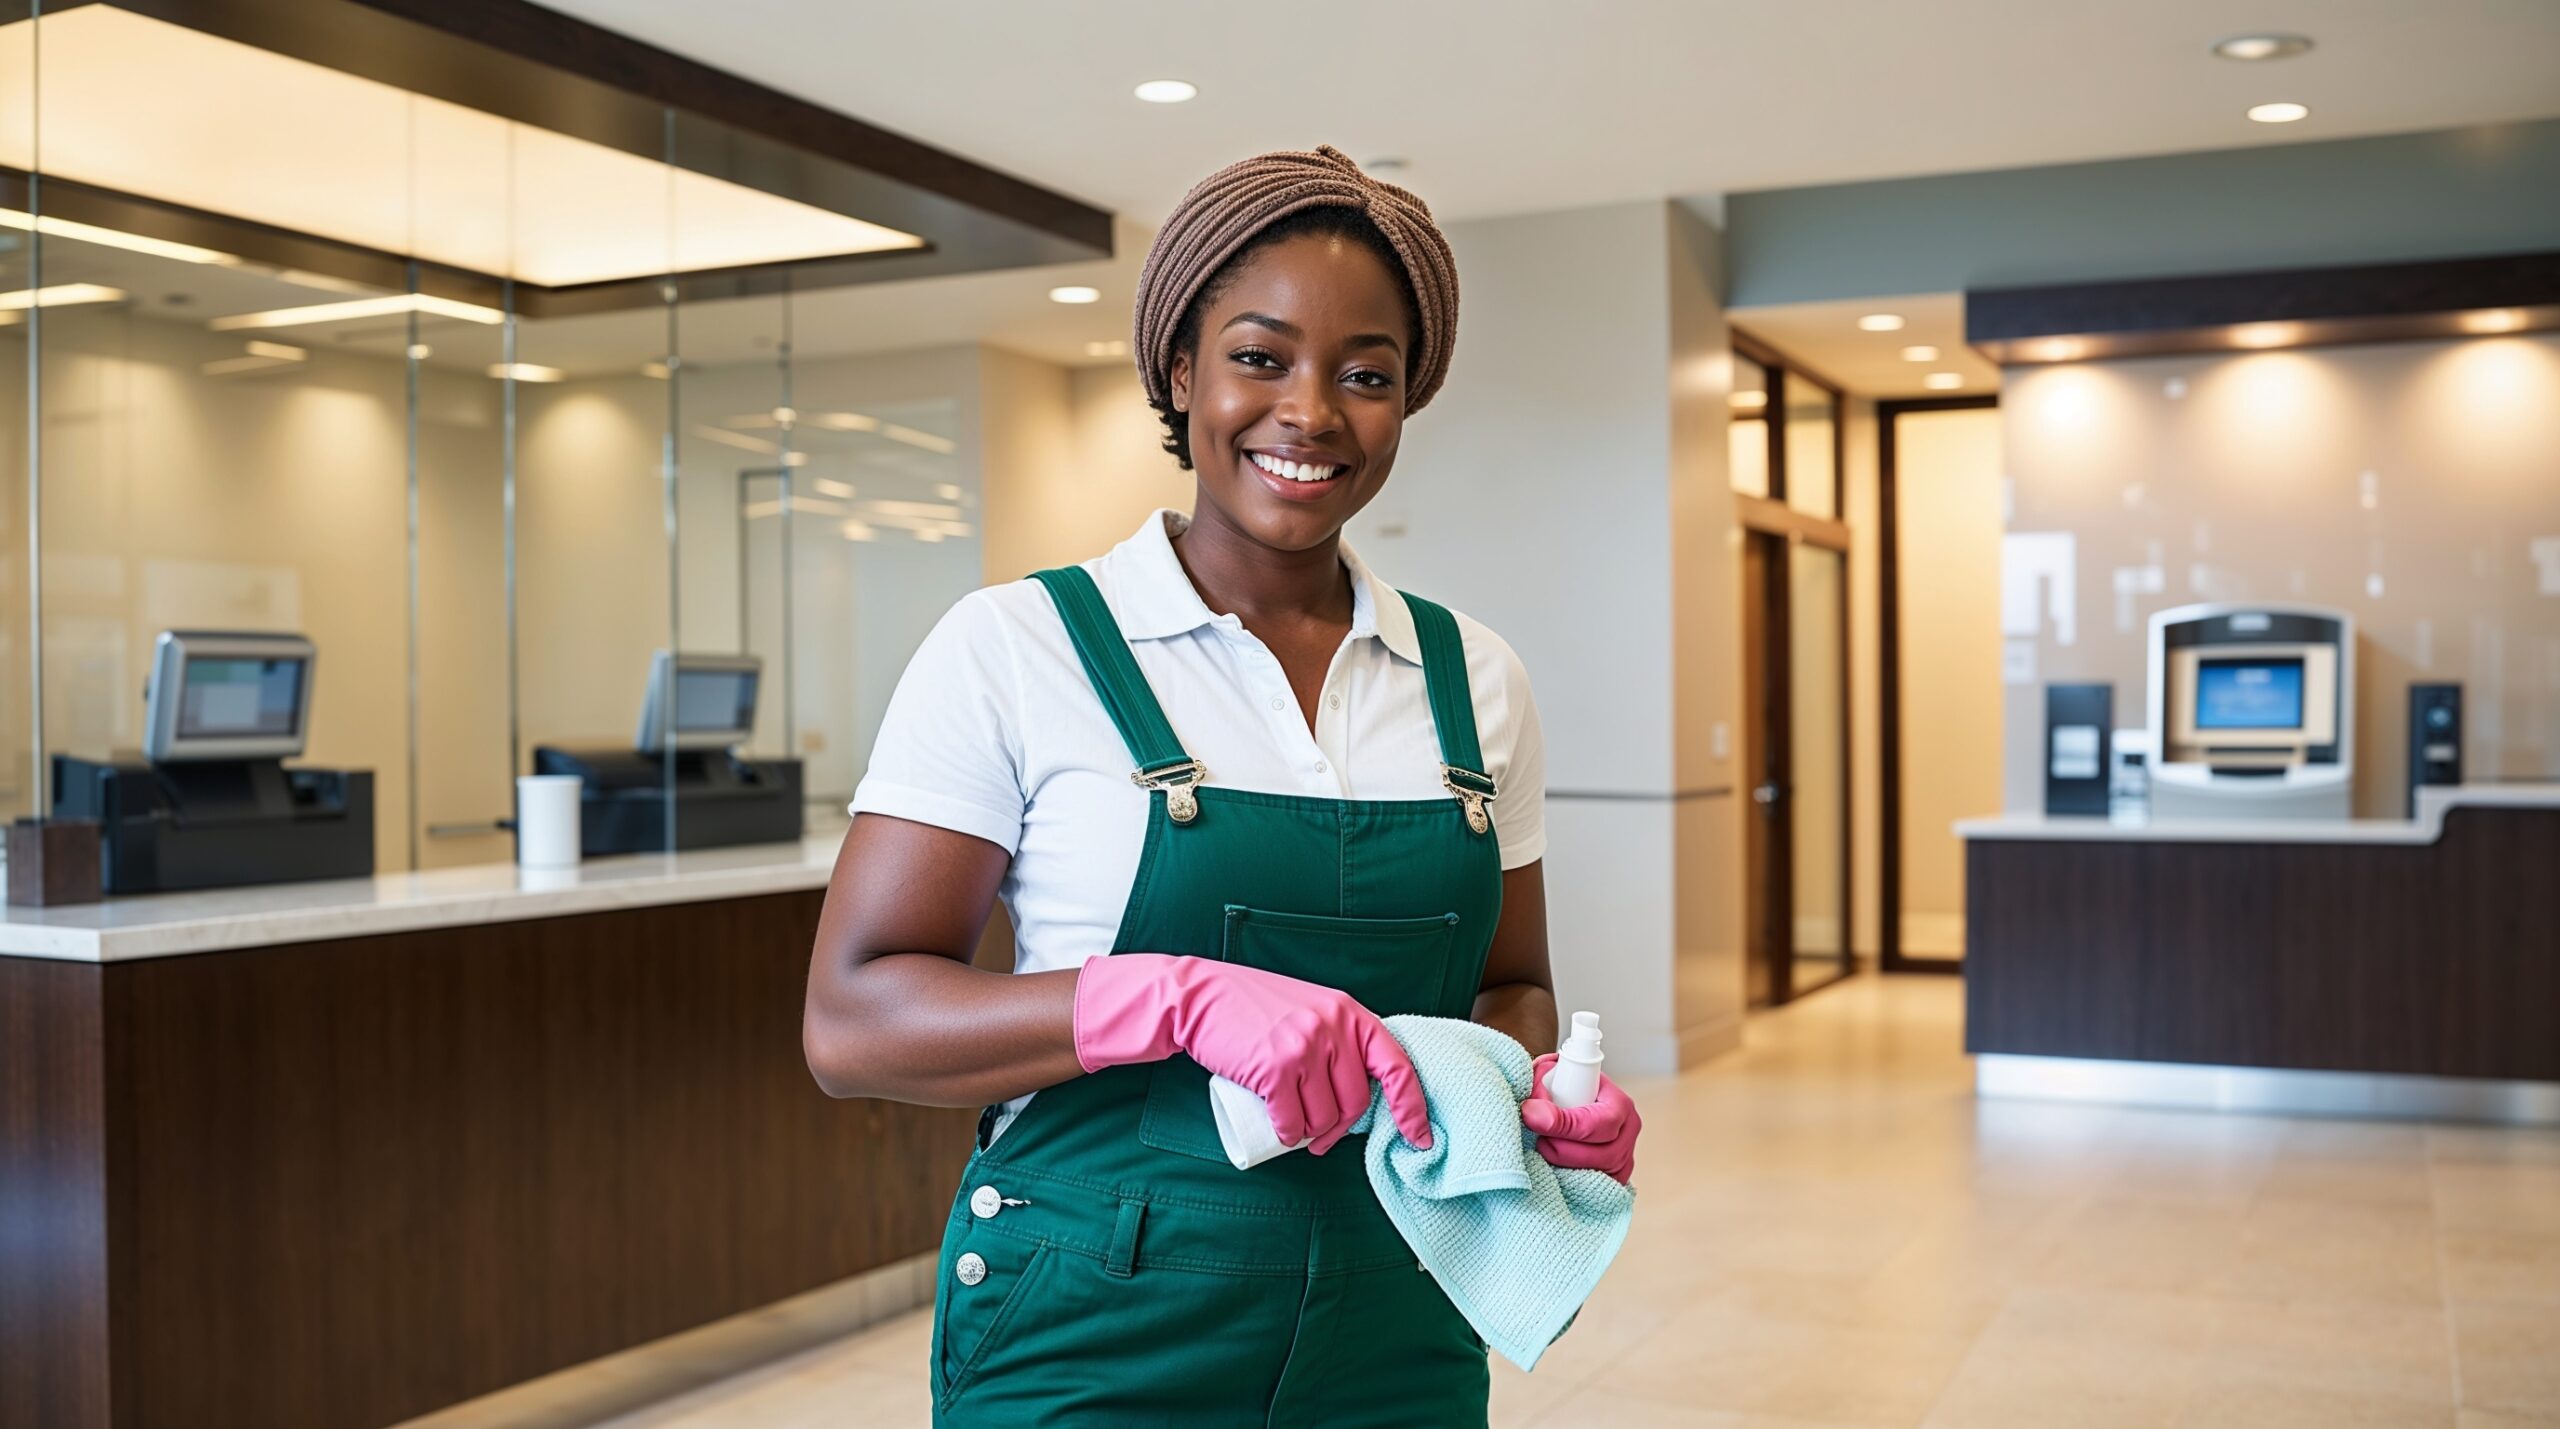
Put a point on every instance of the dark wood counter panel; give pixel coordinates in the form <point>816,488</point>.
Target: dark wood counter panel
<point>344,1183</point>
<point>2438,959</point>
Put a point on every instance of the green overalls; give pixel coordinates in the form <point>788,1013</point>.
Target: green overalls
<point>1104,1264</point>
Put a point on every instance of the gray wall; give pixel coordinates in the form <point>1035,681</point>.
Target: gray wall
<point>1569,489</point>
<point>2491,189</point>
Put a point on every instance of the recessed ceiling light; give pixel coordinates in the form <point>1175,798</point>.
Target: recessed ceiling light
<point>423,304</point>
<point>526,371</point>
<point>59,295</point>
<point>1168,91</point>
<point>1075,294</point>
<point>1880,322</point>
<point>2493,320</point>
<point>110,238</point>
<point>1921,352</point>
<point>2253,48</point>
<point>2266,334</point>
<point>1943,381</point>
<point>1117,347</point>
<point>2283,111</point>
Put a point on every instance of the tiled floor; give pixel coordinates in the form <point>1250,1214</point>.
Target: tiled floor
<point>1832,1231</point>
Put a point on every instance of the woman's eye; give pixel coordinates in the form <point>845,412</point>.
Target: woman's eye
<point>1371,379</point>
<point>1254,357</point>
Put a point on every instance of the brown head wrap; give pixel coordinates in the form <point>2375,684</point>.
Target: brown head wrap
<point>1223,213</point>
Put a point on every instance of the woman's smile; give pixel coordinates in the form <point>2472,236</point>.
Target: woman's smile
<point>1294,475</point>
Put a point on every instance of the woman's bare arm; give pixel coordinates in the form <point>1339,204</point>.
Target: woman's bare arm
<point>895,1009</point>
<point>1517,993</point>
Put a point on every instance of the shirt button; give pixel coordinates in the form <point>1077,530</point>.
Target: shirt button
<point>1320,766</point>
<point>1278,703</point>
<point>985,1201</point>
<point>970,1268</point>
<point>1334,700</point>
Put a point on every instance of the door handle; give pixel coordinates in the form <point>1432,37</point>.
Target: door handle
<point>1765,794</point>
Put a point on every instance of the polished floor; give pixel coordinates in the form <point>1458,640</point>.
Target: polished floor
<point>1832,1231</point>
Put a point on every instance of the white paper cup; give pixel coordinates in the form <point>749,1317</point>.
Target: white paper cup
<point>547,820</point>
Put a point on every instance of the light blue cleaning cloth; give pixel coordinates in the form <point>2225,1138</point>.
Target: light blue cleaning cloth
<point>1516,1244</point>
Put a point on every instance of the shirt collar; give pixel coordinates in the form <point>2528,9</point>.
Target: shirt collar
<point>1153,598</point>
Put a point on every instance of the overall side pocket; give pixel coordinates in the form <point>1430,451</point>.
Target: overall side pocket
<point>973,1319</point>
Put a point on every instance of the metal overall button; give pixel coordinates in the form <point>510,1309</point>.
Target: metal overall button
<point>970,1268</point>
<point>986,1201</point>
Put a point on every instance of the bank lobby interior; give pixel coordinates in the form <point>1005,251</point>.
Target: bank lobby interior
<point>2038,548</point>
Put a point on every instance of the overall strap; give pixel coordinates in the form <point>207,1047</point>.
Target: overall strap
<point>1126,696</point>
<point>1453,707</point>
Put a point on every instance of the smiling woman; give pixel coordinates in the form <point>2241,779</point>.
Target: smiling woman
<point>1243,800</point>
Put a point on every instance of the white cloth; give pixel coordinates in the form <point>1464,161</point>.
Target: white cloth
<point>995,731</point>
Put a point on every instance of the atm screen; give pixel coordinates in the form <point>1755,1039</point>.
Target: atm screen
<point>2248,694</point>
<point>711,701</point>
<point>223,698</point>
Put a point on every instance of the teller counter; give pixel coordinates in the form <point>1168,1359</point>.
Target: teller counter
<point>342,1153</point>
<point>2359,967</point>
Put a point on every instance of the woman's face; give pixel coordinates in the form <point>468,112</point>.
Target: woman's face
<point>1296,393</point>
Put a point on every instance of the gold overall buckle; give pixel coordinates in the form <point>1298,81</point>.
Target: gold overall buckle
<point>1473,792</point>
<point>1180,803</point>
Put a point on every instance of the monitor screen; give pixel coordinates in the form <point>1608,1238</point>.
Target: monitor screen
<point>711,701</point>
<point>230,698</point>
<point>2248,694</point>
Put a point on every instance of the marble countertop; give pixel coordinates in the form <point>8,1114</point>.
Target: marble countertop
<point>160,925</point>
<point>2433,804</point>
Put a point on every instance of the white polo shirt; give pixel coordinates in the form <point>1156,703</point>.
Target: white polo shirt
<point>996,731</point>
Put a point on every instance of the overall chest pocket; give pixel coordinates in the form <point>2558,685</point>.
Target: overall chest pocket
<point>1390,965</point>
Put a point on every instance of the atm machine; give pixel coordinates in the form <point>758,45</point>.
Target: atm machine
<point>208,802</point>
<point>2252,712</point>
<point>698,709</point>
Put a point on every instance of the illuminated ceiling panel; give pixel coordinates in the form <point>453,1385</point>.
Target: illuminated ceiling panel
<point>157,110</point>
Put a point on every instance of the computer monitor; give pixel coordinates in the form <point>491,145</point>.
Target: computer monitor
<point>227,695</point>
<point>712,700</point>
<point>2254,694</point>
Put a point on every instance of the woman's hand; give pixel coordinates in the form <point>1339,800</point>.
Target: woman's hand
<point>1309,1051</point>
<point>1600,1136</point>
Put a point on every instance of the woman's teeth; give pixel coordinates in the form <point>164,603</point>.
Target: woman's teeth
<point>1293,470</point>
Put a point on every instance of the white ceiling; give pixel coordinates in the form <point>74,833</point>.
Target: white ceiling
<point>1519,105</point>
<point>1826,337</point>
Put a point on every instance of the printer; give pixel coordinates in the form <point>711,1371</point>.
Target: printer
<point>208,802</point>
<point>684,767</point>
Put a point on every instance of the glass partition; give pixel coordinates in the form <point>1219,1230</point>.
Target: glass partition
<point>494,416</point>
<point>18,276</point>
<point>1750,430</point>
<point>1812,435</point>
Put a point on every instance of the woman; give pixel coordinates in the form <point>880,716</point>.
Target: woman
<point>1284,798</point>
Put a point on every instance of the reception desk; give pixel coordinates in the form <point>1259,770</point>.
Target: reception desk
<point>2377,967</point>
<point>337,1154</point>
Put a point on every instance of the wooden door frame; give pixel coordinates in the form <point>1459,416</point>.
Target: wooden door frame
<point>1768,844</point>
<point>1890,956</point>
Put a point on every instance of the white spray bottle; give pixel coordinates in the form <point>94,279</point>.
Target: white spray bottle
<point>1575,1078</point>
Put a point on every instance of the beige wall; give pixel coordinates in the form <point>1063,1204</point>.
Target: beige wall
<point>1948,480</point>
<point>2411,484</point>
<point>1073,463</point>
<point>1706,648</point>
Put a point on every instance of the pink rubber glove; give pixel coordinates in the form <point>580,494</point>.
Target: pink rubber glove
<point>1598,1137</point>
<point>1307,1050</point>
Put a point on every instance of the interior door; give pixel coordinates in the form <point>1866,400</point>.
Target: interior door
<point>1767,733</point>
